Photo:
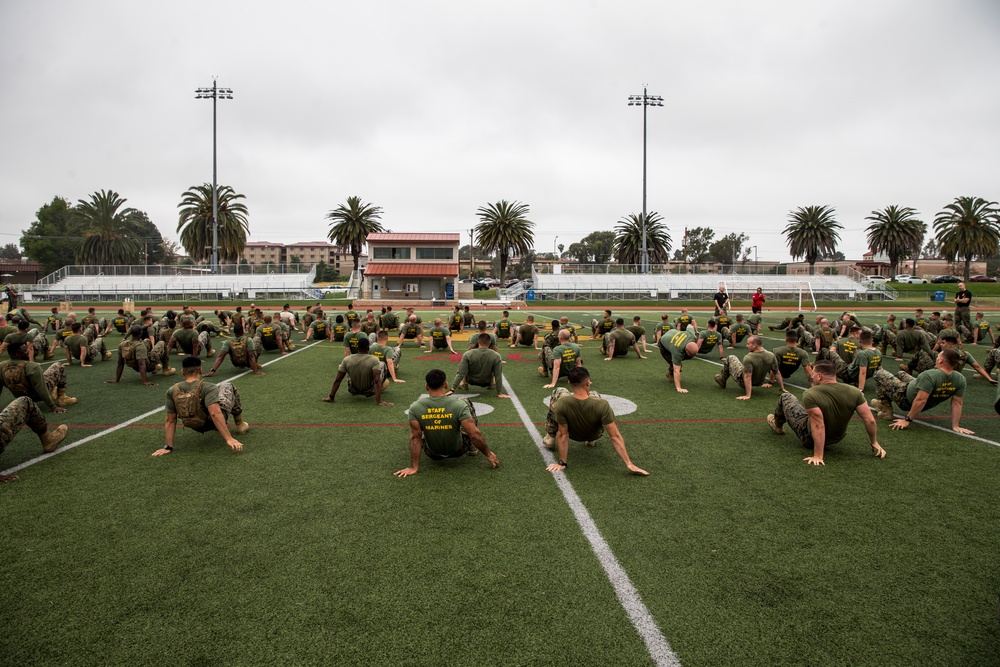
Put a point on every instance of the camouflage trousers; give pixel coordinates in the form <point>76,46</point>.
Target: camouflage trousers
<point>608,343</point>
<point>229,400</point>
<point>551,427</point>
<point>790,411</point>
<point>920,362</point>
<point>467,445</point>
<point>205,341</point>
<point>962,318</point>
<point>547,358</point>
<point>96,327</point>
<point>396,355</point>
<point>841,365</point>
<point>156,355</point>
<point>732,367</point>
<point>55,378</point>
<point>892,388</point>
<point>20,413</point>
<point>808,340</point>
<point>888,338</point>
<point>96,350</point>
<point>992,360</point>
<point>39,342</point>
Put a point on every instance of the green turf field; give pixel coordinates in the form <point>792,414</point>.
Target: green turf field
<point>305,549</point>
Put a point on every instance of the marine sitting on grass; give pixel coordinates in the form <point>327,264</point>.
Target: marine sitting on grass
<point>443,426</point>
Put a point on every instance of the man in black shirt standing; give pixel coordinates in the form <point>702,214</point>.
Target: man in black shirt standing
<point>721,300</point>
<point>962,301</point>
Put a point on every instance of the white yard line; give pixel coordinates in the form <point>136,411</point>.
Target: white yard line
<point>915,421</point>
<point>644,623</point>
<point>95,436</point>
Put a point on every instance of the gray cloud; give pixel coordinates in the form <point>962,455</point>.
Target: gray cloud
<point>432,109</point>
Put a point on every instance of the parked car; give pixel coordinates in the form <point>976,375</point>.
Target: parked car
<point>873,279</point>
<point>512,282</point>
<point>910,280</point>
<point>490,282</point>
<point>945,279</point>
<point>982,279</point>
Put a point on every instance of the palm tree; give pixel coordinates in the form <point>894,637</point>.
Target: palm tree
<point>195,223</point>
<point>968,227</point>
<point>895,231</point>
<point>628,239</point>
<point>351,224</point>
<point>812,230</point>
<point>110,233</point>
<point>505,229</point>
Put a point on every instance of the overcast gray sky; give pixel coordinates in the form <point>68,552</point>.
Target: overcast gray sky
<point>432,109</point>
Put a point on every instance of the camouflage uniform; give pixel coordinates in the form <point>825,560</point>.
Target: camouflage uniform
<point>732,367</point>
<point>55,379</point>
<point>551,427</point>
<point>21,412</point>
<point>892,388</point>
<point>992,360</point>
<point>790,411</point>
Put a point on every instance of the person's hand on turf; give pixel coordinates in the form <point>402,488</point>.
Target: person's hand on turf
<point>878,451</point>
<point>503,396</point>
<point>258,372</point>
<point>493,460</point>
<point>397,380</point>
<point>766,385</point>
<point>682,390</point>
<point>385,404</point>
<point>235,445</point>
<point>86,365</point>
<point>814,460</point>
<point>899,424</point>
<point>58,411</point>
<point>7,478</point>
<point>636,470</point>
<point>963,431</point>
<point>162,451</point>
<point>111,382</point>
<point>555,467</point>
<point>328,399</point>
<point>742,397</point>
<point>149,384</point>
<point>208,374</point>
<point>405,472</point>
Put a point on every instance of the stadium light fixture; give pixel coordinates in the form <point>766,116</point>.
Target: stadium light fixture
<point>645,100</point>
<point>214,93</point>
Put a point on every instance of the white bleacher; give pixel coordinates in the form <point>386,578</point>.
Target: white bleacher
<point>661,285</point>
<point>182,281</point>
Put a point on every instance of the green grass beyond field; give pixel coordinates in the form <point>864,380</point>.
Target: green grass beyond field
<point>305,549</point>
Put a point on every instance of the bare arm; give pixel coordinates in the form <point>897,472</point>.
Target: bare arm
<point>618,442</point>
<point>556,364</point>
<point>956,416</point>
<point>562,447</point>
<point>871,427</point>
<point>219,419</point>
<point>818,429</point>
<point>170,429</point>
<point>416,445</point>
<point>862,376</point>
<point>336,386</point>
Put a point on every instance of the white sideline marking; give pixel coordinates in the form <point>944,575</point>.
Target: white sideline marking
<point>644,623</point>
<point>94,436</point>
<point>915,421</point>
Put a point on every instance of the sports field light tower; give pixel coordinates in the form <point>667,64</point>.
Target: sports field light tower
<point>644,100</point>
<point>214,93</point>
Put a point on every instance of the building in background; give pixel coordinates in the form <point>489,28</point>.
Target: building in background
<point>307,252</point>
<point>411,266</point>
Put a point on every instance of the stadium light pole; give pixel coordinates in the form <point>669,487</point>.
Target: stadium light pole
<point>644,100</point>
<point>214,93</point>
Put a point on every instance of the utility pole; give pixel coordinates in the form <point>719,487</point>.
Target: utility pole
<point>472,253</point>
